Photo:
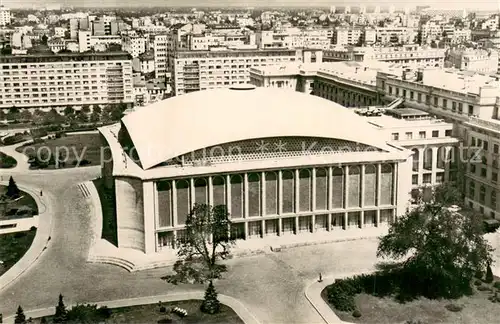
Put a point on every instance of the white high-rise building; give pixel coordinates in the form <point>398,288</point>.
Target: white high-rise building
<point>4,16</point>
<point>333,9</point>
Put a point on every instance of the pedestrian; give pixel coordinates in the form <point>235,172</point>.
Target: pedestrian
<point>41,193</point>
<point>320,277</point>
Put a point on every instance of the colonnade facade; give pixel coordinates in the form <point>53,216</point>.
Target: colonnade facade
<point>281,202</point>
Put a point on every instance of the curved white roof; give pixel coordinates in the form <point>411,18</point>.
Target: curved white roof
<point>183,124</point>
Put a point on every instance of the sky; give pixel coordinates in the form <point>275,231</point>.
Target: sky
<point>459,4</point>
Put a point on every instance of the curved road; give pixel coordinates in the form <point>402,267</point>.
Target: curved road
<point>271,286</point>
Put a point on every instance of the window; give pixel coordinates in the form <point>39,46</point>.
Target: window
<point>471,110</point>
<point>482,194</point>
<point>472,189</point>
<point>453,106</point>
<point>409,135</point>
<point>473,141</point>
<point>395,136</point>
<point>485,145</point>
<point>494,177</point>
<point>414,179</point>
<point>436,101</point>
<point>493,199</point>
<point>419,97</point>
<point>411,95</point>
<point>447,132</point>
<point>440,177</point>
<point>445,104</point>
<point>421,135</point>
<point>460,107</point>
<point>404,93</point>
<point>495,148</point>
<point>483,172</point>
<point>472,168</point>
<point>427,178</point>
<point>435,133</point>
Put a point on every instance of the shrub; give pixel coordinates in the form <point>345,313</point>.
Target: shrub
<point>341,297</point>
<point>454,308</point>
<point>165,320</point>
<point>497,284</point>
<point>489,275</point>
<point>484,288</point>
<point>104,312</point>
<point>356,314</point>
<point>84,162</point>
<point>163,309</point>
<point>478,282</point>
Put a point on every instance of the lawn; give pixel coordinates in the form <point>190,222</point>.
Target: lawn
<point>7,161</point>
<point>79,147</point>
<point>13,206</point>
<point>13,246</point>
<point>151,314</point>
<point>476,309</point>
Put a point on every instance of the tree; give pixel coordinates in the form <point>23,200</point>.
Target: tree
<point>68,111</point>
<point>61,312</point>
<point>20,317</point>
<point>443,249</point>
<point>12,189</point>
<point>97,109</point>
<point>447,194</point>
<point>206,240</point>
<point>53,117</point>
<point>210,304</point>
<point>26,115</point>
<point>95,117</point>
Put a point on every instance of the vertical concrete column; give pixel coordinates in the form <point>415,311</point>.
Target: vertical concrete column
<point>346,187</point>
<point>447,150</point>
<point>346,220</point>
<point>379,177</point>
<point>210,191</point>
<point>297,191</point>
<point>245,194</point>
<point>313,199</point>
<point>156,206</point>
<point>420,165</point>
<point>362,196</point>
<point>280,193</point>
<point>330,189</point>
<point>192,192</point>
<point>149,217</point>
<point>263,193</point>
<point>434,165</point>
<point>329,224</point>
<point>228,193</point>
<point>246,230</point>
<point>297,199</point>
<point>402,189</point>
<point>378,218</point>
<point>174,203</point>
<point>263,228</point>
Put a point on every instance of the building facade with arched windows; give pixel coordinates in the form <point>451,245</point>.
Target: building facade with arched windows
<point>283,162</point>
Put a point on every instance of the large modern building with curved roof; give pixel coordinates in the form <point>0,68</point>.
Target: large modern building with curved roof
<point>284,163</point>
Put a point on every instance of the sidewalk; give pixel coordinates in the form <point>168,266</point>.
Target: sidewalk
<point>313,295</point>
<point>40,242</point>
<point>22,160</point>
<point>236,305</point>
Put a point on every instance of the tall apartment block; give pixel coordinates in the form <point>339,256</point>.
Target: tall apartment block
<point>160,43</point>
<point>56,81</point>
<point>201,70</point>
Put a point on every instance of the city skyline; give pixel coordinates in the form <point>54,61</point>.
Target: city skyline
<point>478,5</point>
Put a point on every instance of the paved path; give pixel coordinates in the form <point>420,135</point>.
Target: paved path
<point>237,306</point>
<point>41,240</point>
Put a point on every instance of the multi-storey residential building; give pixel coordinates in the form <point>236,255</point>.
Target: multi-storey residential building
<point>89,42</point>
<point>476,60</point>
<point>135,45</point>
<point>4,16</point>
<point>160,52</point>
<point>401,35</point>
<point>293,38</point>
<point>353,36</point>
<point>59,80</point>
<point>407,54</point>
<point>199,70</point>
